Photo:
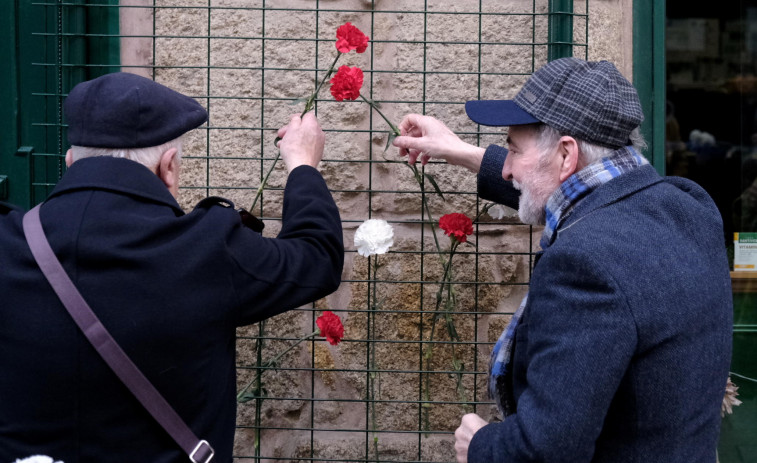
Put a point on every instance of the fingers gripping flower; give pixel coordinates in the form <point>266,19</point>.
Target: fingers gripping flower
<point>331,327</point>
<point>346,83</point>
<point>456,225</point>
<point>374,236</point>
<point>349,37</point>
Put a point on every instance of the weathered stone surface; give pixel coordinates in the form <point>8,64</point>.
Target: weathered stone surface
<point>249,66</point>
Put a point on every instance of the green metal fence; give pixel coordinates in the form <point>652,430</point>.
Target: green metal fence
<point>406,411</point>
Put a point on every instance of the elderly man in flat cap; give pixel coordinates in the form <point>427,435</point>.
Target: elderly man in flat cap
<point>621,349</point>
<point>170,287</point>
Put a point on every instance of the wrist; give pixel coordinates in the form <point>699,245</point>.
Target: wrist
<point>473,158</point>
<point>291,167</point>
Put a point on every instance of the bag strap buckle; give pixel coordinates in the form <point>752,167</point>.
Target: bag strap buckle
<point>202,452</point>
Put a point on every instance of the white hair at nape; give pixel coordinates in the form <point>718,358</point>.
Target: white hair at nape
<point>589,152</point>
<point>148,157</point>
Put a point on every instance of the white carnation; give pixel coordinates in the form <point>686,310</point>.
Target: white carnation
<point>374,236</point>
<point>497,212</point>
<point>37,459</point>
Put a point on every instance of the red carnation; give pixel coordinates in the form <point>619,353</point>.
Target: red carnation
<point>349,37</point>
<point>331,327</point>
<point>457,225</point>
<point>346,83</point>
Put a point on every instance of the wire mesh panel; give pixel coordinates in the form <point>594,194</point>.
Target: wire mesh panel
<point>419,320</point>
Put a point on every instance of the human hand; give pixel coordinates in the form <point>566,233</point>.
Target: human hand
<point>469,425</point>
<point>427,137</point>
<point>301,142</point>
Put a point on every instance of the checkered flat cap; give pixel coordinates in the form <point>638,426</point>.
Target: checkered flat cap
<point>589,101</point>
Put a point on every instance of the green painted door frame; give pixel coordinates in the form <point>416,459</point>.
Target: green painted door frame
<point>17,20</point>
<point>649,74</point>
<point>38,39</point>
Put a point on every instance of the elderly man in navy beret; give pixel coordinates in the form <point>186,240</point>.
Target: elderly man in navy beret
<point>170,287</point>
<point>621,349</point>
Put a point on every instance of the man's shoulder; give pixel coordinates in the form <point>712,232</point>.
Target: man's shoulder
<point>6,208</point>
<point>630,201</point>
<point>692,189</point>
<point>247,219</point>
<point>210,215</point>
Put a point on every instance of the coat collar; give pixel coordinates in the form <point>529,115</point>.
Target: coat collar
<point>582,183</point>
<point>117,175</point>
<point>612,191</point>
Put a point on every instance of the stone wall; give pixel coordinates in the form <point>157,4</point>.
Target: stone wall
<point>246,61</point>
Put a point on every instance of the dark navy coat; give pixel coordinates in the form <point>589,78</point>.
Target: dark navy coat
<point>170,287</point>
<point>624,347</point>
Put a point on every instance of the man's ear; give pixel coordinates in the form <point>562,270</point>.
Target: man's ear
<point>168,170</point>
<point>568,151</point>
<point>69,158</point>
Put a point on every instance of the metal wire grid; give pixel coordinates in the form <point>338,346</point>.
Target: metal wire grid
<point>65,71</point>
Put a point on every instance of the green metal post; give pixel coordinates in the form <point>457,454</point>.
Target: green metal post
<point>560,36</point>
<point>649,74</point>
<point>71,46</point>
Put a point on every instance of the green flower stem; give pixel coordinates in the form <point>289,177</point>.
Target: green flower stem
<point>373,105</point>
<point>373,376</point>
<point>444,283</point>
<point>274,361</point>
<point>483,211</point>
<point>418,178</point>
<point>451,302</point>
<point>259,193</point>
<point>427,209</point>
<point>311,101</point>
<point>258,386</point>
<point>426,408</point>
<point>309,104</point>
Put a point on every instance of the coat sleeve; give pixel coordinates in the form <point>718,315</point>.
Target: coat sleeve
<point>302,264</point>
<point>581,336</point>
<point>491,185</point>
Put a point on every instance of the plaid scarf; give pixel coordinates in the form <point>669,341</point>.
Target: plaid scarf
<point>559,206</point>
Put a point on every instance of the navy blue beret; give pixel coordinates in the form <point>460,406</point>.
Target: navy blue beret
<point>123,110</point>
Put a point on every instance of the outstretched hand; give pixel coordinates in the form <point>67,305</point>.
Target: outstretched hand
<point>302,141</point>
<point>425,137</point>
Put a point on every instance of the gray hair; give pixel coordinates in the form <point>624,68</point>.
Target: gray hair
<point>589,153</point>
<point>148,157</point>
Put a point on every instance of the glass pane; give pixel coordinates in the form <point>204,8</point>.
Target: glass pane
<point>711,138</point>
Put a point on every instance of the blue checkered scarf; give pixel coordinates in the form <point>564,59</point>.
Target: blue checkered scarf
<point>559,206</point>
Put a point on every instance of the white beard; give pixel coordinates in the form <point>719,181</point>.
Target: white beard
<point>534,194</point>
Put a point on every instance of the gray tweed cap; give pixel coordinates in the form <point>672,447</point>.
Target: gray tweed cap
<point>589,101</point>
